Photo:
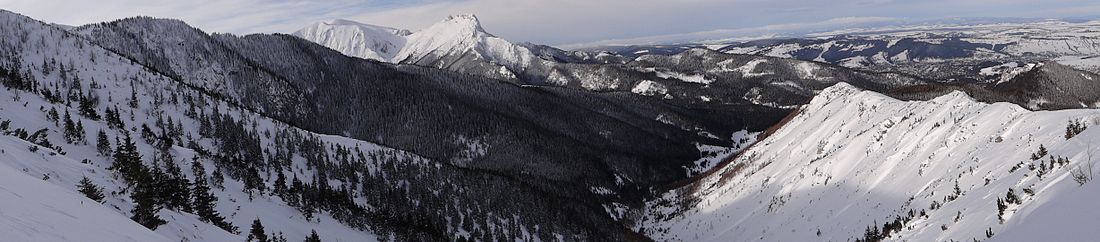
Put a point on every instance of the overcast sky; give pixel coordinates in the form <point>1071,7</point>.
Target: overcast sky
<point>555,22</point>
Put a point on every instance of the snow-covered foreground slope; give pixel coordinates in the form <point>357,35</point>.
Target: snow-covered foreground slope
<point>852,161</point>
<point>35,210</point>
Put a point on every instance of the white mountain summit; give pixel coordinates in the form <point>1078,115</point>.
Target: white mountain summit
<point>453,41</point>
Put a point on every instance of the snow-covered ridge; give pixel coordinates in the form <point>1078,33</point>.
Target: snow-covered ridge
<point>357,39</point>
<point>454,36</point>
<point>851,159</point>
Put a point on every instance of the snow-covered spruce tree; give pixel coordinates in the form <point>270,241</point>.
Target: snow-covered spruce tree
<point>1011,197</point>
<point>1069,129</point>
<point>256,233</point>
<point>90,190</point>
<point>1001,206</point>
<point>1042,152</point>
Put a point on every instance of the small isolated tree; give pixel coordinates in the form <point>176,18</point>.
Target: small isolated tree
<point>256,234</point>
<point>313,237</point>
<point>1084,173</point>
<point>90,190</point>
<point>1080,175</point>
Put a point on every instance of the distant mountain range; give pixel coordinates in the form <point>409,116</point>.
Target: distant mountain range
<point>357,132</point>
<point>926,50</point>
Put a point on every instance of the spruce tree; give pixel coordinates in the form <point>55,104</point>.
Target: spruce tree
<point>145,201</point>
<point>128,160</point>
<point>103,144</point>
<point>280,184</point>
<point>87,106</point>
<point>52,115</point>
<point>128,163</point>
<point>313,237</point>
<point>70,128</point>
<point>175,186</point>
<point>256,234</point>
<point>113,119</point>
<point>90,190</point>
<point>79,135</point>
<point>133,95</point>
<point>218,178</point>
<point>203,201</point>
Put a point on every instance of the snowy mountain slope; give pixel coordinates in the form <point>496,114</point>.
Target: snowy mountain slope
<point>458,43</point>
<point>36,210</point>
<point>1051,85</point>
<point>212,62</point>
<point>521,150</point>
<point>853,164</point>
<point>1037,86</point>
<point>759,80</point>
<point>64,72</point>
<point>329,79</point>
<point>357,39</point>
